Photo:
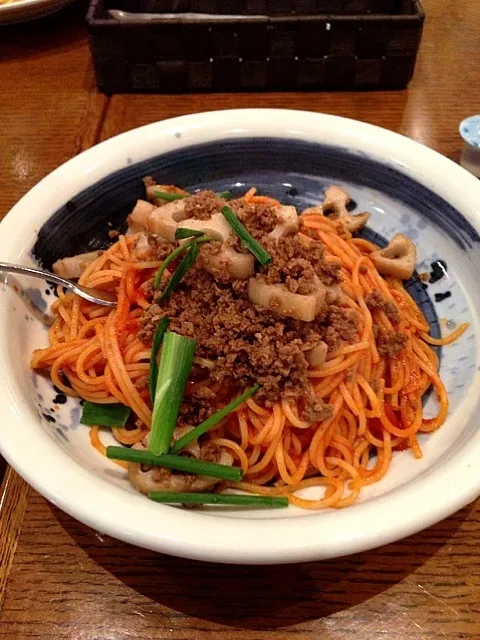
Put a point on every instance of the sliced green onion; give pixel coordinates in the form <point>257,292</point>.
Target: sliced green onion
<point>105,415</point>
<point>170,197</point>
<point>226,195</point>
<point>173,371</point>
<point>182,233</point>
<point>157,341</point>
<point>248,242</point>
<point>170,258</point>
<point>187,261</point>
<point>175,253</point>
<point>179,463</point>
<point>266,502</point>
<point>210,422</point>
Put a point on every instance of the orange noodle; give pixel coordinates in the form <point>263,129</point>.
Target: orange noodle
<point>94,352</point>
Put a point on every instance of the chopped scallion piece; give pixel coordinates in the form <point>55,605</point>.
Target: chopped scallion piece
<point>170,197</point>
<point>247,240</point>
<point>210,422</point>
<point>170,258</point>
<point>182,233</point>
<point>175,253</point>
<point>187,261</point>
<point>105,415</point>
<point>157,341</point>
<point>226,195</point>
<point>265,502</point>
<point>173,371</point>
<point>179,463</point>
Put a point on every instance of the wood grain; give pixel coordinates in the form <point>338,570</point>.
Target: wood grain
<point>67,582</point>
<point>50,109</point>
<point>444,89</point>
<point>13,502</point>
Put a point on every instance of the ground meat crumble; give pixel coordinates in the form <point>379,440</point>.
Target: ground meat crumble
<point>375,300</point>
<point>296,263</point>
<point>211,259</point>
<point>390,343</point>
<point>316,410</point>
<point>249,344</point>
<point>338,326</point>
<point>258,220</point>
<point>203,205</point>
<point>195,410</point>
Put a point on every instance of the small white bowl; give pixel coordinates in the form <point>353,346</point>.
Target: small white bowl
<point>406,186</point>
<point>23,10</point>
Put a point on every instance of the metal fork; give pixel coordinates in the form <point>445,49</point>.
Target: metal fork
<point>105,298</point>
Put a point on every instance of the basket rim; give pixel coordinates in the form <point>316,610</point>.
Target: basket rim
<point>417,16</point>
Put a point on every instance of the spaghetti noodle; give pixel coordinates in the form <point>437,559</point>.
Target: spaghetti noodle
<point>95,353</point>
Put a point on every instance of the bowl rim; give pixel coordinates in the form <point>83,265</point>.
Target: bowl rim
<point>66,484</point>
<point>25,10</point>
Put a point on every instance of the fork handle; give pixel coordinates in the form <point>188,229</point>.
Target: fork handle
<point>35,273</point>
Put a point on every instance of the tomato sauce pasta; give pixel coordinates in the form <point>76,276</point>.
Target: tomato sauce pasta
<point>356,406</point>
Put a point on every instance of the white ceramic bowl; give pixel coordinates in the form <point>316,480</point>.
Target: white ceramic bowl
<point>23,10</point>
<point>58,461</point>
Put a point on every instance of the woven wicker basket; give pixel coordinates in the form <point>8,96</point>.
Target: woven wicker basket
<point>288,52</point>
<point>267,7</point>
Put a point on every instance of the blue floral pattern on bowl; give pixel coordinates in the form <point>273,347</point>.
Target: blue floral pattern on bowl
<point>397,204</point>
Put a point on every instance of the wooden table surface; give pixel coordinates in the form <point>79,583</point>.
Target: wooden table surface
<point>58,578</point>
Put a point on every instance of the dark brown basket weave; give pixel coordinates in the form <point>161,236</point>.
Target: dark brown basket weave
<point>289,52</point>
<point>266,7</point>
